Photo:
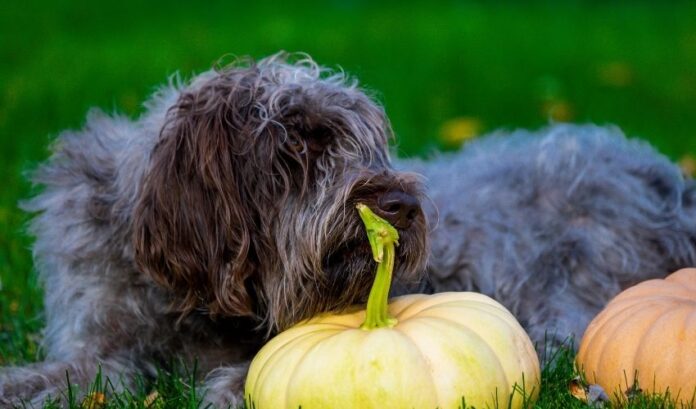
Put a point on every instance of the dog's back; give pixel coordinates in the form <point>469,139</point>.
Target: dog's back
<point>82,227</point>
<point>554,223</point>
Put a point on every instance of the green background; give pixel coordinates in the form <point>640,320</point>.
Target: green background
<point>488,65</point>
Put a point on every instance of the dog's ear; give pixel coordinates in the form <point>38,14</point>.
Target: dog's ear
<point>191,227</point>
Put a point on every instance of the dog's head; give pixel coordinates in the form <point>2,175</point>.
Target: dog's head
<point>248,207</point>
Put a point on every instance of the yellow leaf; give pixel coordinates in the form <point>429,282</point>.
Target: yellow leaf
<point>557,110</point>
<point>457,130</point>
<point>153,400</point>
<point>577,390</point>
<point>688,165</point>
<point>94,400</point>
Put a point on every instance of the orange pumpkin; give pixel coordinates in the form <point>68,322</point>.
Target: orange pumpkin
<point>647,334</point>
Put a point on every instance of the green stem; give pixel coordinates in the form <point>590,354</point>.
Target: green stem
<point>377,315</point>
<point>383,238</point>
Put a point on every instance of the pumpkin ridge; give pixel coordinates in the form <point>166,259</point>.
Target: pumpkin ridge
<point>629,373</point>
<point>410,307</point>
<point>299,362</point>
<point>643,344</point>
<point>688,316</point>
<point>454,303</point>
<point>599,325</point>
<point>425,359</point>
<point>303,336</point>
<point>320,321</point>
<point>606,325</point>
<point>658,288</point>
<point>432,301</point>
<point>658,297</point>
<point>623,309</point>
<point>474,334</point>
<point>682,278</point>
<point>504,319</point>
<point>509,325</point>
<point>411,311</point>
<point>270,361</point>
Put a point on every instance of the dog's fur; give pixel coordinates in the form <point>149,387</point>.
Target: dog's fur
<point>555,223</point>
<point>226,213</point>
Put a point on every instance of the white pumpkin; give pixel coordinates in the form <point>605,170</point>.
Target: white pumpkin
<point>420,351</point>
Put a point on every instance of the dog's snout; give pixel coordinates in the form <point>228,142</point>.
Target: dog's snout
<point>398,208</point>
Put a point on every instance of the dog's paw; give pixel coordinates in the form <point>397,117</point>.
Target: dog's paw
<point>224,387</point>
<point>32,386</point>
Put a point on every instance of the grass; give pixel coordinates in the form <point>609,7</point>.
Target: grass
<point>444,71</point>
<point>177,390</point>
<point>170,390</point>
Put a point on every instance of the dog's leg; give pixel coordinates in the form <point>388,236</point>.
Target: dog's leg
<point>224,387</point>
<point>33,385</point>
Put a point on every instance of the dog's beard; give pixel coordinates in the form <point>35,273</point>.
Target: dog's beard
<point>350,269</point>
<point>324,262</point>
<point>346,273</point>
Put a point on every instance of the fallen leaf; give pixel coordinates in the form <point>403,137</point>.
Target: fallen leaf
<point>94,400</point>
<point>457,130</point>
<point>557,110</point>
<point>577,389</point>
<point>153,400</point>
<point>688,165</point>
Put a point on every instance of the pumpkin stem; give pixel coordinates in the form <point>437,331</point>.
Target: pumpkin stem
<point>383,237</point>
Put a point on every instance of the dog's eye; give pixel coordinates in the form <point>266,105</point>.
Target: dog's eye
<point>296,145</point>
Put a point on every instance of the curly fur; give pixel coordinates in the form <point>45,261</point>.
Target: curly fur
<point>554,223</point>
<point>225,213</point>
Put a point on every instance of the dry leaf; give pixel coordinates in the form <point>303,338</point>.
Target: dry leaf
<point>153,400</point>
<point>557,110</point>
<point>94,400</point>
<point>688,165</point>
<point>457,130</point>
<point>593,394</point>
<point>577,389</point>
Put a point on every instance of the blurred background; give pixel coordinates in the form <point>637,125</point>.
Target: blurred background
<point>445,71</point>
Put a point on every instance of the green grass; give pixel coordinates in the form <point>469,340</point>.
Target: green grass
<point>170,390</point>
<point>177,390</point>
<point>507,64</point>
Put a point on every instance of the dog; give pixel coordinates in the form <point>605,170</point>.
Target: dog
<point>225,214</point>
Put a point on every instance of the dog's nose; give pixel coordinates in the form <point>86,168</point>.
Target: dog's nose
<point>398,208</point>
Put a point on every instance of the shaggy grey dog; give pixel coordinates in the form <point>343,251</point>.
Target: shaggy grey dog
<point>226,213</point>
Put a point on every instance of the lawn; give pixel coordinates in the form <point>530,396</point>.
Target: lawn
<point>444,71</point>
